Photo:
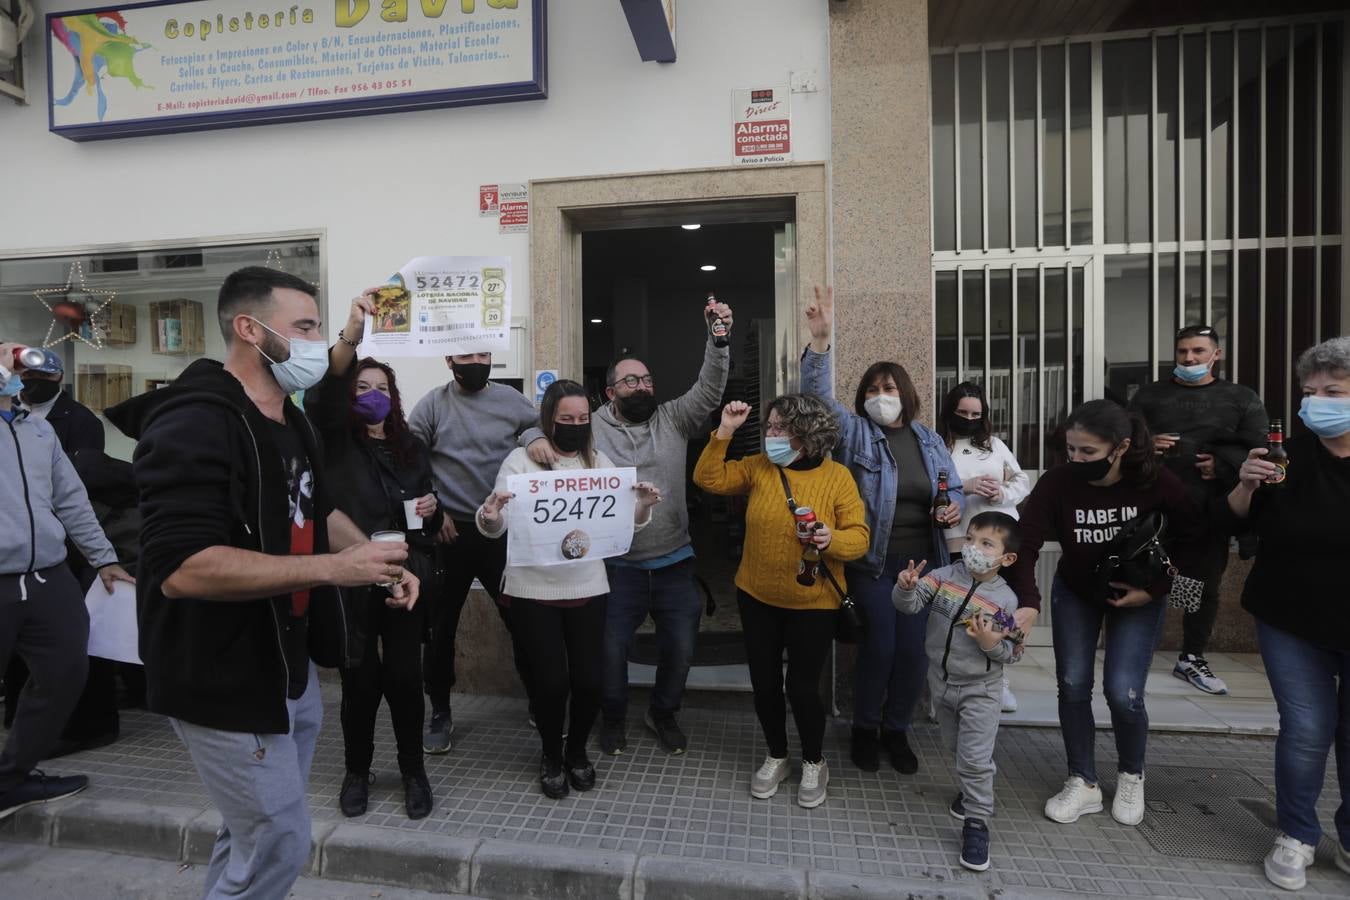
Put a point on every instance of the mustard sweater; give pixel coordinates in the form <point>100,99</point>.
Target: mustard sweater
<point>768,570</point>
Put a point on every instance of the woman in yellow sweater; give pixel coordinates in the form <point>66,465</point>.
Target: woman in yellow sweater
<point>778,612</point>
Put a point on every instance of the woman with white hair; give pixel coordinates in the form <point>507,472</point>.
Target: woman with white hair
<point>1298,598</point>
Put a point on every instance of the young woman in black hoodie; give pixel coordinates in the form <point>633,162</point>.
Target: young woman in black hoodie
<point>380,464</point>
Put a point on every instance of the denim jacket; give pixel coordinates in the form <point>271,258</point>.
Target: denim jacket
<point>863,449</point>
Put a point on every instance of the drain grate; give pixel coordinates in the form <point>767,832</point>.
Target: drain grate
<point>1217,814</point>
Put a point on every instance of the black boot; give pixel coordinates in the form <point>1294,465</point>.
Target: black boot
<point>417,795</point>
<point>903,759</point>
<point>866,749</point>
<point>552,779</point>
<point>580,771</point>
<point>355,794</point>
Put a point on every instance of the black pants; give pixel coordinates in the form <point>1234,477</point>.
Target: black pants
<point>565,649</point>
<point>806,635</point>
<point>50,630</point>
<point>394,674</point>
<point>470,556</point>
<point>1197,627</point>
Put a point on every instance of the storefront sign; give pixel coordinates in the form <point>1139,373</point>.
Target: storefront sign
<point>515,209</point>
<point>761,126</point>
<point>443,306</point>
<point>160,67</point>
<point>569,515</point>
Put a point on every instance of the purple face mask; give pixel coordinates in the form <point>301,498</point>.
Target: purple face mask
<point>372,407</point>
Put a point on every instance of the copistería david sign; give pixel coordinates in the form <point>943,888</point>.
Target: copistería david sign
<point>569,516</point>
<point>160,67</point>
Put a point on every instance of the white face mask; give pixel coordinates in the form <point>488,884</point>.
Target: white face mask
<point>976,560</point>
<point>884,409</point>
<point>303,369</point>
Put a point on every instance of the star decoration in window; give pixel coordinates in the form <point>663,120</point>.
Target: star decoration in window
<point>72,308</point>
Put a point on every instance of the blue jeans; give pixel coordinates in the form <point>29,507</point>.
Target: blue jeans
<point>1314,714</point>
<point>670,596</point>
<point>1132,635</point>
<point>892,664</point>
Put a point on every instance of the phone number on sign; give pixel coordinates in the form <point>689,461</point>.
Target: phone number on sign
<point>558,509</point>
<point>391,85</point>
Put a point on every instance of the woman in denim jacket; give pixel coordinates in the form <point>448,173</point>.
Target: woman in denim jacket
<point>879,436</point>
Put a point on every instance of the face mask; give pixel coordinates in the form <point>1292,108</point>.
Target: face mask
<point>303,369</point>
<point>372,407</point>
<point>637,407</point>
<point>12,387</point>
<point>571,438</point>
<point>780,451</point>
<point>1191,374</point>
<point>976,560</point>
<point>1091,471</point>
<point>963,427</point>
<point>39,391</point>
<point>883,409</point>
<point>1327,417</point>
<point>471,376</point>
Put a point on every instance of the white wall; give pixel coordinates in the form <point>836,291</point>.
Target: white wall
<point>387,188</point>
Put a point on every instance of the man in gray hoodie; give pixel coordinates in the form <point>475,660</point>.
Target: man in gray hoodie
<point>656,576</point>
<point>42,612</point>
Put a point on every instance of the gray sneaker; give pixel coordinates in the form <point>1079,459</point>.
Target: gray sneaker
<point>1196,670</point>
<point>811,792</point>
<point>764,783</point>
<point>437,736</point>
<point>1287,862</point>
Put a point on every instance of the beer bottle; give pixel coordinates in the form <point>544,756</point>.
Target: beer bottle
<point>716,327</point>
<point>942,500</point>
<point>1276,454</point>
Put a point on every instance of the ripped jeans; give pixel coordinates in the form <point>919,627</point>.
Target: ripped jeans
<point>1132,635</point>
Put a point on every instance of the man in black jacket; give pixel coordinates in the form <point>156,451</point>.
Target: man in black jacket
<point>76,426</point>
<point>239,589</point>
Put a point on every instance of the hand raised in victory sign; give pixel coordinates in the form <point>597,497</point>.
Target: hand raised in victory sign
<point>908,579</point>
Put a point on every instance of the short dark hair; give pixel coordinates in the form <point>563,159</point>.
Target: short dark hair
<point>248,291</point>
<point>909,396</point>
<point>1004,524</point>
<point>1194,331</point>
<point>614,365</point>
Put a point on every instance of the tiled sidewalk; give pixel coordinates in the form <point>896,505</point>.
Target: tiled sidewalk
<point>1215,789</point>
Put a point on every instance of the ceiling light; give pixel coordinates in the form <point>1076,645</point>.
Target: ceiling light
<point>596,321</point>
<point>693,226</point>
<point>709,268</point>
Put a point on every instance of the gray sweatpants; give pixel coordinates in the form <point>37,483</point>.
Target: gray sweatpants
<point>968,715</point>
<point>257,781</point>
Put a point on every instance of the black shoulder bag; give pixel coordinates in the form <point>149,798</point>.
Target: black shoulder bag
<point>849,623</point>
<point>1137,557</point>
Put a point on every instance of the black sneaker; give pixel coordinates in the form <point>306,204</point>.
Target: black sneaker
<point>865,749</point>
<point>580,772</point>
<point>958,808</point>
<point>39,787</point>
<point>355,794</point>
<point>975,845</point>
<point>903,759</point>
<point>613,741</point>
<point>667,731</point>
<point>552,780</point>
<point>417,795</point>
<point>439,729</point>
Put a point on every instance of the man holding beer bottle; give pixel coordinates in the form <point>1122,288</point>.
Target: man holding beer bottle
<point>1203,427</point>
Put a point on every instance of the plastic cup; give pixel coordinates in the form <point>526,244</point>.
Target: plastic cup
<point>1174,450</point>
<point>410,515</point>
<point>391,537</point>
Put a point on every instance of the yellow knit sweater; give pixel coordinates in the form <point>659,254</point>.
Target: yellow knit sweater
<point>768,570</point>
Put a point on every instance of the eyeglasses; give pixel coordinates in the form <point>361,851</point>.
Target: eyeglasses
<point>632,381</point>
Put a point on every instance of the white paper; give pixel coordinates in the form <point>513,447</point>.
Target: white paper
<point>569,516</point>
<point>112,622</point>
<point>454,304</point>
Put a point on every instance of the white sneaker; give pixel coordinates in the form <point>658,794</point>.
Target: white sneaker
<point>1009,698</point>
<point>1128,806</point>
<point>1196,670</point>
<point>1077,798</point>
<point>764,783</point>
<point>1287,862</point>
<point>811,792</point>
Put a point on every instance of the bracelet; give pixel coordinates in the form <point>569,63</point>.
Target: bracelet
<point>342,337</point>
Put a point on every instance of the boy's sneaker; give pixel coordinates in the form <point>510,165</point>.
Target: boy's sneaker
<point>975,845</point>
<point>667,731</point>
<point>764,783</point>
<point>1194,669</point>
<point>613,741</point>
<point>1127,807</point>
<point>811,792</point>
<point>1288,861</point>
<point>958,808</point>
<point>1076,799</point>
<point>1009,704</point>
<point>39,787</point>
<point>439,729</point>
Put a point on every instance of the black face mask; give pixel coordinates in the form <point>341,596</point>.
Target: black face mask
<point>637,407</point>
<point>963,427</point>
<point>40,391</point>
<point>1091,471</point>
<point>471,376</point>
<point>571,438</point>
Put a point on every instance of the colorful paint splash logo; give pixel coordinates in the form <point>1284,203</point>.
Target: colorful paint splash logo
<point>98,43</point>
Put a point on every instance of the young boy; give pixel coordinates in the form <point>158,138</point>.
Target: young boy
<point>971,636</point>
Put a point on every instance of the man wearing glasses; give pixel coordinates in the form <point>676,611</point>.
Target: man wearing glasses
<point>1203,427</point>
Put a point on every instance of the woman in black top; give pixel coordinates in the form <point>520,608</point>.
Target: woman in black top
<point>379,465</point>
<point>1296,591</point>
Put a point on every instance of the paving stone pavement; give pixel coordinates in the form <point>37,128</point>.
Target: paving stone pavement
<point>1210,804</point>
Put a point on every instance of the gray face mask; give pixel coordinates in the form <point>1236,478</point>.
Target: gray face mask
<point>303,369</point>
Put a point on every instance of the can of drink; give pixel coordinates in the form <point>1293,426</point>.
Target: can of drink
<point>28,357</point>
<point>805,518</point>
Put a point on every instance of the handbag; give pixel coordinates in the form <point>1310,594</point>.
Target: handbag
<point>850,624</point>
<point>1136,556</point>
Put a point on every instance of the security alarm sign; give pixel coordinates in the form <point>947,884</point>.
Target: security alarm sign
<point>761,125</point>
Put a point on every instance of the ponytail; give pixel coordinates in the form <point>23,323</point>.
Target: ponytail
<point>1111,422</point>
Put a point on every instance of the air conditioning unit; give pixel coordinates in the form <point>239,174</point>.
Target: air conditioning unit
<point>13,27</point>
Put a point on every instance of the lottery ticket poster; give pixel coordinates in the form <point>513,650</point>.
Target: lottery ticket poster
<point>442,306</point>
<point>569,516</point>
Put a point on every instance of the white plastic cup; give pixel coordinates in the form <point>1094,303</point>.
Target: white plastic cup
<point>391,537</point>
<point>410,514</point>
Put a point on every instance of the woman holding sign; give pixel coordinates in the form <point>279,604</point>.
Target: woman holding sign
<point>557,611</point>
<point>804,515</point>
